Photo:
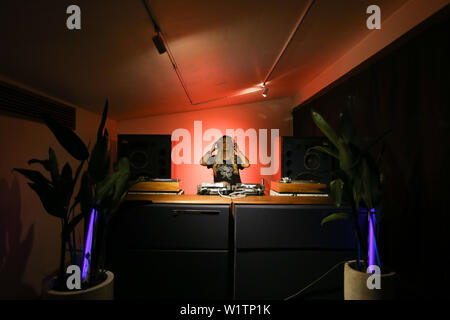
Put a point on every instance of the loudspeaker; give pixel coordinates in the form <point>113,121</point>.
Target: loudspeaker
<point>298,165</point>
<point>149,154</point>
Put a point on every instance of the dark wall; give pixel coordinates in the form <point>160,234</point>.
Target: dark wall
<point>405,89</point>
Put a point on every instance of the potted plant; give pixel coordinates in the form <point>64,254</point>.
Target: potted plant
<point>358,183</point>
<point>99,194</point>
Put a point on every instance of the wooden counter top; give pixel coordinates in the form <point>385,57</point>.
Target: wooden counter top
<point>283,200</point>
<point>182,198</point>
<point>204,199</point>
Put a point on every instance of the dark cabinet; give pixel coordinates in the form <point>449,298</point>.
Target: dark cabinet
<point>278,274</point>
<point>171,251</point>
<point>173,226</point>
<point>173,274</point>
<point>290,226</point>
<point>280,249</point>
<point>200,252</point>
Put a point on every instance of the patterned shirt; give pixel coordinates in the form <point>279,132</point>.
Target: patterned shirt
<point>224,171</point>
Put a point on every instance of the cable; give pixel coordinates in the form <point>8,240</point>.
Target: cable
<point>288,41</point>
<point>233,195</point>
<point>178,71</point>
<point>314,282</point>
<point>169,52</point>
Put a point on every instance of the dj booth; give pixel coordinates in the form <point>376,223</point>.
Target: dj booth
<point>227,242</point>
<point>209,247</point>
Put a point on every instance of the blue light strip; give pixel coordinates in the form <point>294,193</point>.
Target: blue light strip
<point>371,240</point>
<point>373,249</point>
<point>88,245</point>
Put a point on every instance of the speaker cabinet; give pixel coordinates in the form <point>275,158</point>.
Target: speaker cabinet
<point>298,165</point>
<point>149,155</point>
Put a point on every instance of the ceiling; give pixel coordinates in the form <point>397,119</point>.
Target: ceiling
<point>223,48</point>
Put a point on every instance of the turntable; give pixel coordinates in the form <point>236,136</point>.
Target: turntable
<point>242,189</point>
<point>214,188</point>
<point>249,189</point>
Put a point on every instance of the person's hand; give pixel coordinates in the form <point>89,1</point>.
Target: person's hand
<point>214,147</point>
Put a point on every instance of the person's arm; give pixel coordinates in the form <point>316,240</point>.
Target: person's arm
<point>242,159</point>
<point>207,156</point>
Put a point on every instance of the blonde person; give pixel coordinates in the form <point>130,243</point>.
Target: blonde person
<point>226,160</point>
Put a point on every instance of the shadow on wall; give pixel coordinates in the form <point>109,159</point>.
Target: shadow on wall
<point>14,253</point>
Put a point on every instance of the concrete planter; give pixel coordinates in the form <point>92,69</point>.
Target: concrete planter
<point>355,285</point>
<point>102,291</point>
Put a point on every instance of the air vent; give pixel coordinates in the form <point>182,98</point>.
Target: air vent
<point>22,103</point>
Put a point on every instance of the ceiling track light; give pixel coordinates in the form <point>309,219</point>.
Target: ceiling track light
<point>162,47</point>
<point>159,44</point>
<point>157,39</point>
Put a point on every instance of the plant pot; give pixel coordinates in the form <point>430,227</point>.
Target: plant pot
<point>355,285</point>
<point>102,291</point>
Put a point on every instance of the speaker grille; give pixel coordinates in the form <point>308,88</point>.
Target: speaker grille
<point>299,165</point>
<point>22,103</point>
<point>149,155</point>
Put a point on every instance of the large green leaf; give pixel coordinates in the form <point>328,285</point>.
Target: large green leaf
<point>335,216</point>
<point>326,150</point>
<point>326,129</point>
<point>123,169</point>
<point>109,192</point>
<point>370,182</point>
<point>348,158</point>
<point>77,174</point>
<point>72,224</point>
<point>84,196</point>
<point>103,121</point>
<point>337,190</point>
<point>68,139</point>
<point>357,193</point>
<point>346,128</point>
<point>66,182</point>
<point>99,162</point>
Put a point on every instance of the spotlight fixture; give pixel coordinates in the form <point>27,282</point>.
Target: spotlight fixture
<point>157,39</point>
<point>264,94</point>
<point>288,41</point>
<point>159,44</point>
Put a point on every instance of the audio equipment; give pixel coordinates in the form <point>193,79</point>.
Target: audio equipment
<point>220,188</point>
<point>249,189</point>
<point>298,164</point>
<point>297,187</point>
<point>213,188</point>
<point>155,186</point>
<point>149,155</point>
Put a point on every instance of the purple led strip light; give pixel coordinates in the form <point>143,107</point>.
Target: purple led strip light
<point>374,258</point>
<point>88,245</point>
<point>371,239</point>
